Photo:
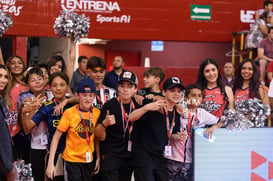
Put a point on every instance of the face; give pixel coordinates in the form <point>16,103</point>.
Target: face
<point>211,73</point>
<point>83,64</point>
<point>57,67</point>
<point>228,69</point>
<point>126,90</point>
<point>86,99</point>
<point>97,74</point>
<point>36,83</point>
<point>247,71</point>
<point>173,95</point>
<point>16,66</point>
<point>194,98</point>
<point>269,7</point>
<point>3,79</point>
<point>118,62</point>
<point>45,74</point>
<point>58,88</point>
<point>150,81</point>
<point>270,35</point>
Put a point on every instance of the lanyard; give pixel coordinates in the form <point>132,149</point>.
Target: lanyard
<point>125,121</point>
<point>169,127</point>
<point>88,127</point>
<point>190,121</point>
<point>104,96</point>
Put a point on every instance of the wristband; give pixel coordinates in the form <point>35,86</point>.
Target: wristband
<point>103,125</point>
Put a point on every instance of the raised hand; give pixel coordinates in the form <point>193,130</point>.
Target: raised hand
<point>109,119</point>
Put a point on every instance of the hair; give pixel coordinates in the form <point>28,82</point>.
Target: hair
<point>81,57</point>
<point>13,79</point>
<point>42,65</point>
<point>155,71</point>
<point>269,29</point>
<point>94,62</point>
<point>263,16</point>
<point>267,2</point>
<point>59,74</point>
<point>7,90</point>
<point>201,80</point>
<point>192,86</point>
<point>254,82</point>
<point>31,71</point>
<point>229,63</point>
<point>53,60</point>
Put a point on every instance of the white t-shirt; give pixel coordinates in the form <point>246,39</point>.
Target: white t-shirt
<point>270,91</point>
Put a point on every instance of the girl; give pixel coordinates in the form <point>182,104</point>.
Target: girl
<point>217,97</point>
<point>7,170</point>
<point>39,134</point>
<point>16,66</point>
<point>58,82</point>
<point>56,63</point>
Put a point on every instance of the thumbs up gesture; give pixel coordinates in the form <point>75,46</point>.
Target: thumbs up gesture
<point>109,119</point>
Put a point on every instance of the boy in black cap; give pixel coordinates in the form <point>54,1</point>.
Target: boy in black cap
<point>79,122</point>
<point>114,130</point>
<point>152,131</point>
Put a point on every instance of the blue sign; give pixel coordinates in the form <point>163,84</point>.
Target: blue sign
<point>157,46</point>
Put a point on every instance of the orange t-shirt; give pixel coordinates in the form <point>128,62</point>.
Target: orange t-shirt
<point>76,142</point>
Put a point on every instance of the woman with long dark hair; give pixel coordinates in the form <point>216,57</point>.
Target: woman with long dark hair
<point>247,84</point>
<point>217,97</point>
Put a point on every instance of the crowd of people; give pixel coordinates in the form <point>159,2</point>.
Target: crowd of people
<point>84,130</point>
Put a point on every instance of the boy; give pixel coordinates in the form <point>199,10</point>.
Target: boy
<point>152,80</point>
<point>114,130</point>
<point>152,131</point>
<point>180,162</point>
<point>96,70</point>
<point>79,122</point>
<point>79,74</point>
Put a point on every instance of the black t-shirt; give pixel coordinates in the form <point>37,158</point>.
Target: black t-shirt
<point>6,157</point>
<point>114,143</point>
<point>150,137</point>
<point>146,91</point>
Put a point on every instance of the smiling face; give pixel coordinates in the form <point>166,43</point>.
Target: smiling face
<point>36,83</point>
<point>173,95</point>
<point>211,73</point>
<point>247,71</point>
<point>58,88</point>
<point>97,74</point>
<point>16,66</point>
<point>194,98</point>
<point>57,67</point>
<point>3,79</point>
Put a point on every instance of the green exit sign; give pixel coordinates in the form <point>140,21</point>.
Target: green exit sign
<point>200,12</point>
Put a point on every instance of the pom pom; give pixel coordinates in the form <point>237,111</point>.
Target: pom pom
<point>5,22</point>
<point>71,25</point>
<point>254,110</point>
<point>24,171</point>
<point>234,120</point>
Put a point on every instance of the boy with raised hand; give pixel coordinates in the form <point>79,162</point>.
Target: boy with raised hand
<point>114,130</point>
<point>79,122</point>
<point>152,132</point>
<point>152,79</point>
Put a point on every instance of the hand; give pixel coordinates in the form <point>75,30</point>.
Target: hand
<point>109,119</point>
<point>59,109</point>
<point>97,166</point>
<point>182,135</point>
<point>149,96</point>
<point>50,171</point>
<point>139,99</point>
<point>209,132</point>
<point>179,109</point>
<point>156,106</point>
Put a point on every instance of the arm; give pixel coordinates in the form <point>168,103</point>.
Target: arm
<point>262,56</point>
<point>256,15</point>
<point>230,97</point>
<point>100,129</point>
<point>97,150</point>
<point>60,107</point>
<point>263,95</point>
<point>269,75</point>
<point>180,136</point>
<point>50,170</point>
<point>263,28</point>
<point>154,106</point>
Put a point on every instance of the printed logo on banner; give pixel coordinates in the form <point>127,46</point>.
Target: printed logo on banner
<point>247,16</point>
<point>258,160</point>
<point>8,6</point>
<point>97,7</point>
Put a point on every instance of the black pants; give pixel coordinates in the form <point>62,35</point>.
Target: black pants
<point>79,171</point>
<point>150,174</point>
<point>37,160</point>
<point>116,169</point>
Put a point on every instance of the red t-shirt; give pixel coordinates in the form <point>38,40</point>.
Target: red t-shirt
<point>267,46</point>
<point>241,94</point>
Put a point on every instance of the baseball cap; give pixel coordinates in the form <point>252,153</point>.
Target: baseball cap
<point>172,82</point>
<point>128,76</point>
<point>86,82</point>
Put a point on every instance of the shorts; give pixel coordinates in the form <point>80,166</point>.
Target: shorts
<point>78,171</point>
<point>257,62</point>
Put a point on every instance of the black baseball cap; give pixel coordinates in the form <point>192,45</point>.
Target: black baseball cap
<point>86,82</point>
<point>128,76</point>
<point>173,82</point>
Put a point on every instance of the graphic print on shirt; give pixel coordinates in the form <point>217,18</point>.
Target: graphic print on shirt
<point>241,95</point>
<point>210,104</point>
<point>84,128</point>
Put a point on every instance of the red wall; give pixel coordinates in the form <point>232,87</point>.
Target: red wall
<point>150,19</point>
